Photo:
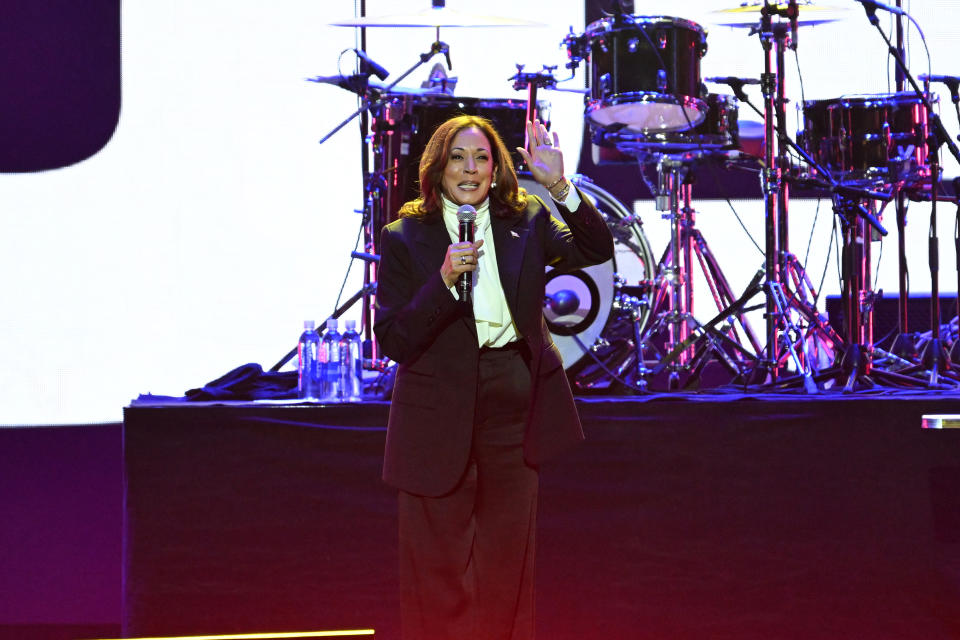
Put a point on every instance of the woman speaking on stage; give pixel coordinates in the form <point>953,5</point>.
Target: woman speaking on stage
<point>481,398</point>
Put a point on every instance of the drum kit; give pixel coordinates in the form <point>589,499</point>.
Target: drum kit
<point>628,325</point>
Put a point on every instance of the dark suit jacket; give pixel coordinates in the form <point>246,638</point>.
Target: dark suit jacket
<point>420,325</point>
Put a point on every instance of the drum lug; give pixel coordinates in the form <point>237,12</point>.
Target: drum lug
<point>605,88</point>
<point>662,38</point>
<point>662,80</point>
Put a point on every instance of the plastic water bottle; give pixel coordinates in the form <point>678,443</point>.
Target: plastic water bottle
<point>330,363</point>
<point>351,364</point>
<point>308,372</point>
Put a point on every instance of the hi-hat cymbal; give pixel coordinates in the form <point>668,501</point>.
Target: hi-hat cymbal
<point>435,18</point>
<point>747,14</point>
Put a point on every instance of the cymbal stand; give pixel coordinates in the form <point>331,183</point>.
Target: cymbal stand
<point>675,271</point>
<point>781,266</point>
<point>771,181</point>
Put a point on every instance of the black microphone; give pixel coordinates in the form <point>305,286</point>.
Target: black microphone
<point>372,66</point>
<point>356,83</point>
<point>734,83</point>
<point>873,4</point>
<point>562,302</point>
<point>444,48</point>
<point>466,215</point>
<point>366,257</point>
<point>951,81</point>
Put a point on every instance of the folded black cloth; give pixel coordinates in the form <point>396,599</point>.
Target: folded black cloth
<point>247,382</point>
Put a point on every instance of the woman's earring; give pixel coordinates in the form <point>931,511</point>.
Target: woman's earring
<point>493,185</point>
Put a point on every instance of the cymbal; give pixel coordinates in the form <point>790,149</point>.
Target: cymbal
<point>435,18</point>
<point>747,14</point>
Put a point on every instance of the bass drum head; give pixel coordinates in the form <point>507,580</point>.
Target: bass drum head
<point>579,304</point>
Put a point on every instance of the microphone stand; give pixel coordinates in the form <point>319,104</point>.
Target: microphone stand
<point>367,105</point>
<point>373,183</point>
<point>934,356</point>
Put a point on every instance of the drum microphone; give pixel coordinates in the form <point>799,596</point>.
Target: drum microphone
<point>874,5</point>
<point>734,83</point>
<point>953,82</point>
<point>466,215</point>
<point>563,302</point>
<point>357,83</point>
<point>368,66</point>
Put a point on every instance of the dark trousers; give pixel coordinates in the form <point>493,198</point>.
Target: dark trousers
<point>467,557</point>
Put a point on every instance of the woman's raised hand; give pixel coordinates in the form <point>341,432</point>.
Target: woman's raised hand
<point>544,157</point>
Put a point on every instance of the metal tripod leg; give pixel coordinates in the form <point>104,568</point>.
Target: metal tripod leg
<point>676,272</point>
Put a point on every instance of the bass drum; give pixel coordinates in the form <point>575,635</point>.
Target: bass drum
<point>580,304</point>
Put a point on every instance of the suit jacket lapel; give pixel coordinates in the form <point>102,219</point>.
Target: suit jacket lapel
<point>433,240</point>
<point>510,240</point>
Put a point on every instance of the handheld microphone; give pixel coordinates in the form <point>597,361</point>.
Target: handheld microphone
<point>371,66</point>
<point>873,4</point>
<point>466,215</point>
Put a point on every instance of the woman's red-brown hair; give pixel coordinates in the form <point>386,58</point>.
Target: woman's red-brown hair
<point>507,199</point>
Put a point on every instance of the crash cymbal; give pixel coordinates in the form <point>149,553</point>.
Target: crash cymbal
<point>747,14</point>
<point>435,18</point>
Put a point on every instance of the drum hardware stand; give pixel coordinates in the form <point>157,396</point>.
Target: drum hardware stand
<point>708,338</point>
<point>955,349</point>
<point>774,189</point>
<point>781,266</point>
<point>856,361</point>
<point>934,357</point>
<point>674,194</point>
<point>903,345</point>
<point>779,263</point>
<point>531,82</point>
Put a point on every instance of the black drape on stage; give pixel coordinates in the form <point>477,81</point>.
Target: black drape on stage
<point>728,518</point>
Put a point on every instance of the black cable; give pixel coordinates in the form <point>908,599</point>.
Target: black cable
<point>826,262</point>
<point>336,305</point>
<point>816,216</point>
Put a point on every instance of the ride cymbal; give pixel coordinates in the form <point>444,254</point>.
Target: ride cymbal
<point>747,14</point>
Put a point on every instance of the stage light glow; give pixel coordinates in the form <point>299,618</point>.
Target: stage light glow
<point>266,636</point>
<point>941,421</point>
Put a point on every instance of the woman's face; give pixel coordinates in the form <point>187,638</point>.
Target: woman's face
<point>469,169</point>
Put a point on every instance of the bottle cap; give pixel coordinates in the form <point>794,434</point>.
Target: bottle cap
<point>351,325</point>
<point>332,323</point>
<point>308,324</point>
